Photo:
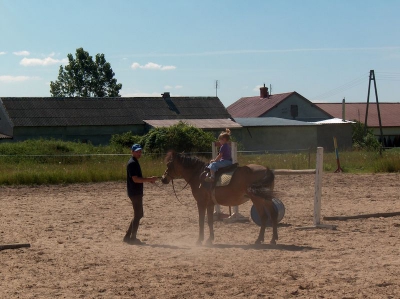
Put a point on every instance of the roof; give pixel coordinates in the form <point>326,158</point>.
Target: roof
<point>270,122</point>
<point>198,123</point>
<point>256,106</point>
<point>109,111</point>
<point>333,121</point>
<point>2,136</point>
<point>356,111</point>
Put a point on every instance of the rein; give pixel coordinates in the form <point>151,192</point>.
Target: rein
<point>187,183</point>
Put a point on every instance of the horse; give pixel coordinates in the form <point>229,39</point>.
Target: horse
<point>244,184</point>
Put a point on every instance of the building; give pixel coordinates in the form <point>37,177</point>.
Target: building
<point>95,120</point>
<point>390,118</point>
<point>287,121</point>
<point>277,134</point>
<point>290,105</point>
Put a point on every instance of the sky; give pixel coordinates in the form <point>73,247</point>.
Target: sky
<point>324,50</point>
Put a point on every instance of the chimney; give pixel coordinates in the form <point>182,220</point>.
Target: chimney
<point>264,92</point>
<point>165,95</point>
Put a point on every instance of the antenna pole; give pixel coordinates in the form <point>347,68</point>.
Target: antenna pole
<point>216,87</point>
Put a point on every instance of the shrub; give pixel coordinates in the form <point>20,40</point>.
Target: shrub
<point>180,137</point>
<point>364,139</point>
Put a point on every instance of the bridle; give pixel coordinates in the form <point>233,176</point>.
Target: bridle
<point>170,166</point>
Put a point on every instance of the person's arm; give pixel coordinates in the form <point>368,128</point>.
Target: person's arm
<point>217,158</point>
<point>139,180</point>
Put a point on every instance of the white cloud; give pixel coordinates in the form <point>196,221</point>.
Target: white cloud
<point>140,94</point>
<point>257,88</point>
<point>22,53</point>
<point>12,79</point>
<point>265,51</point>
<point>3,53</point>
<point>43,62</point>
<point>169,87</point>
<point>152,66</point>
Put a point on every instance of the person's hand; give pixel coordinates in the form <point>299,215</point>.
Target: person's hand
<point>153,179</point>
<point>211,161</point>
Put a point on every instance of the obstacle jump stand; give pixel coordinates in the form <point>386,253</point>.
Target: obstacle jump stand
<point>318,189</point>
<point>237,217</point>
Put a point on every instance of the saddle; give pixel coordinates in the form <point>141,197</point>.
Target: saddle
<point>222,176</point>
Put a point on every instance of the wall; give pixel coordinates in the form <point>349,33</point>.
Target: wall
<point>291,138</point>
<point>342,132</point>
<point>5,123</point>
<point>307,111</point>
<point>277,138</point>
<point>95,134</point>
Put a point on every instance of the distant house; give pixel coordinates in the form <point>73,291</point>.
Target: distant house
<point>290,105</point>
<point>97,119</point>
<point>287,121</point>
<point>390,117</point>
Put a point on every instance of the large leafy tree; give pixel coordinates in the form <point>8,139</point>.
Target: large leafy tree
<point>85,77</point>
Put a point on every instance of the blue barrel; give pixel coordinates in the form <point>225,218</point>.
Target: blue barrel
<point>279,207</point>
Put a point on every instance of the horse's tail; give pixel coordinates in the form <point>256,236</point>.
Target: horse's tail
<point>265,187</point>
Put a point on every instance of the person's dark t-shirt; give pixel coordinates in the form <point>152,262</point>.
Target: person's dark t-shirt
<point>133,169</point>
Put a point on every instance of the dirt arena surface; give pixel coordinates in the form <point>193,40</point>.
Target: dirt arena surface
<point>76,232</point>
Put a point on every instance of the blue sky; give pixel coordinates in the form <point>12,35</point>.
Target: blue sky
<point>324,50</point>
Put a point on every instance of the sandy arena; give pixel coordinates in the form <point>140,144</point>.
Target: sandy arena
<point>76,232</point>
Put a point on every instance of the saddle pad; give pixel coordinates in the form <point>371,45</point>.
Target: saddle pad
<point>224,179</point>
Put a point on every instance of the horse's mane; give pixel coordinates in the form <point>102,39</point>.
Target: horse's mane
<point>186,160</point>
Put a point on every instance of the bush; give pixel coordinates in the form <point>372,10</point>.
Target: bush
<point>180,137</point>
<point>124,140</point>
<point>364,139</point>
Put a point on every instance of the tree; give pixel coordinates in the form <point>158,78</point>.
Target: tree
<point>83,77</point>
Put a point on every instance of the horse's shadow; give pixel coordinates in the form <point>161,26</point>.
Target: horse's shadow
<point>265,247</point>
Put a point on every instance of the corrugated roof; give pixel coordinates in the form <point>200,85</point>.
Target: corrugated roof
<point>2,136</point>
<point>109,111</point>
<point>333,121</point>
<point>198,123</point>
<point>270,122</point>
<point>255,106</point>
<point>390,112</point>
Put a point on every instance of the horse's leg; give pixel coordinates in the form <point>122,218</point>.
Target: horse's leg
<point>259,205</point>
<point>210,220</point>
<point>202,213</point>
<point>269,204</point>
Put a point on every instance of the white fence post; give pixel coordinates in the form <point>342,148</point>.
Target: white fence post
<point>318,186</point>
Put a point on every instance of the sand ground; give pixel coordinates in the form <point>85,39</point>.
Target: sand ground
<point>76,232</point>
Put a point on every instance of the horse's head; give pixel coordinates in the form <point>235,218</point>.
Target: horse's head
<point>171,172</point>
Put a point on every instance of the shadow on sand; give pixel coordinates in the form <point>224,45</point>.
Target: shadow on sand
<point>265,247</point>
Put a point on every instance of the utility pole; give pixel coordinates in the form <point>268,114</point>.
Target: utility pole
<point>372,78</point>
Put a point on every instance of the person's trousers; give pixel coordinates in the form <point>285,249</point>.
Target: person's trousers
<point>137,203</point>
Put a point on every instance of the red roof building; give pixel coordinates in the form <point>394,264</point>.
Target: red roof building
<point>290,105</point>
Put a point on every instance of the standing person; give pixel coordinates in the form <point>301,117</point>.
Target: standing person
<point>224,157</point>
<point>135,182</point>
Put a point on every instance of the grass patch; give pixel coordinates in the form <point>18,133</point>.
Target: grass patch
<point>36,162</point>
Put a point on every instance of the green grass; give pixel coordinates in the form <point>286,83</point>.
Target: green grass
<point>56,162</point>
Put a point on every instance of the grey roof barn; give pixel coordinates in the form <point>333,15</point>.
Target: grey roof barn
<point>96,119</point>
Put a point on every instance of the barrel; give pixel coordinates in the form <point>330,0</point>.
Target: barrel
<point>278,206</point>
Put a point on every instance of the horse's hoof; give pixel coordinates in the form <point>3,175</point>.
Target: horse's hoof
<point>209,243</point>
<point>198,242</point>
<point>273,242</point>
<point>258,242</point>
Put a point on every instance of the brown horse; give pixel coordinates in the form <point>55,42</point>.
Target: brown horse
<point>248,181</point>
